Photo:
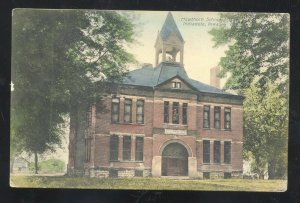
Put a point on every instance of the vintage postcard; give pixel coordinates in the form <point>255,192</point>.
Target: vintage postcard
<point>149,100</point>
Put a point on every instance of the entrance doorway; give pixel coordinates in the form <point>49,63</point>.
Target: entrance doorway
<point>175,160</point>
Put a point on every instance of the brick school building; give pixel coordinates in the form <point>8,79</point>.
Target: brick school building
<point>161,123</point>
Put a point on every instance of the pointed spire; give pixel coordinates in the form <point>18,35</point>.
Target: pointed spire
<point>169,43</point>
<point>170,27</point>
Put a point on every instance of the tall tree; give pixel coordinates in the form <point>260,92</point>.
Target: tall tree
<point>102,51</point>
<point>257,56</point>
<point>266,130</point>
<point>56,57</point>
<point>258,47</point>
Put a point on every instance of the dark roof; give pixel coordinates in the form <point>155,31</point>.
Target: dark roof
<point>169,27</point>
<point>152,77</point>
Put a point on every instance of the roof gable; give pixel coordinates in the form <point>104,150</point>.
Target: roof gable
<point>152,77</point>
<point>168,84</point>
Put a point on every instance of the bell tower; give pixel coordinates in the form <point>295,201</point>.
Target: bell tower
<point>169,43</point>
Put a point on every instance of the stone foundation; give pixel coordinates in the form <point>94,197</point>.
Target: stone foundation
<point>237,174</point>
<point>122,173</point>
<point>101,173</point>
<point>147,173</point>
<point>220,174</point>
<point>216,175</point>
<point>73,172</point>
<point>126,173</point>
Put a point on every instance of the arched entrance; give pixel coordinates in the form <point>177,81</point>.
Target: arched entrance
<point>175,160</point>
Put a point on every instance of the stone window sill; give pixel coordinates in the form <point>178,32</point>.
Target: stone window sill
<point>127,161</point>
<point>114,161</point>
<point>140,124</point>
<point>173,124</point>
<point>217,164</point>
<point>217,129</point>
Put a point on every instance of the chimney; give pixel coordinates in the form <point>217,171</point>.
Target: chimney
<point>214,79</point>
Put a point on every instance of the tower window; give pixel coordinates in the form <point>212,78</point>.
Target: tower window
<point>166,112</point>
<point>128,111</point>
<point>115,107</point>
<point>175,119</point>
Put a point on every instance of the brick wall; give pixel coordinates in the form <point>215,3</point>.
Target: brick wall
<point>104,125</point>
<point>153,119</point>
<point>102,151</point>
<point>235,135</point>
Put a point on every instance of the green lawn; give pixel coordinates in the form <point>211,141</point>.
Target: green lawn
<point>148,183</point>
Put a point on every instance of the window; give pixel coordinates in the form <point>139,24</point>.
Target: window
<point>227,118</point>
<point>114,147</point>
<point>175,118</point>
<point>126,148</point>
<point>89,117</point>
<point>140,111</point>
<point>139,149</point>
<point>138,173</point>
<point>206,151</point>
<point>127,110</point>
<point>166,112</point>
<point>113,173</point>
<point>206,175</point>
<point>217,151</point>
<point>173,84</point>
<point>227,175</point>
<point>176,85</point>
<point>87,150</point>
<point>227,152</point>
<point>115,107</point>
<point>206,117</point>
<point>217,117</point>
<point>184,113</point>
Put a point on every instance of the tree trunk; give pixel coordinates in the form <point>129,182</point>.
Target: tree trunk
<point>72,141</point>
<point>271,170</point>
<point>36,162</point>
<point>261,176</point>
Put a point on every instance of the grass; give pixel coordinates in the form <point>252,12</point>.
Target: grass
<point>148,183</point>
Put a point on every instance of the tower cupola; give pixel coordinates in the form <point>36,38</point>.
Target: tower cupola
<point>169,43</point>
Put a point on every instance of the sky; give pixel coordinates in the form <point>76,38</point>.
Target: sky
<point>199,54</point>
